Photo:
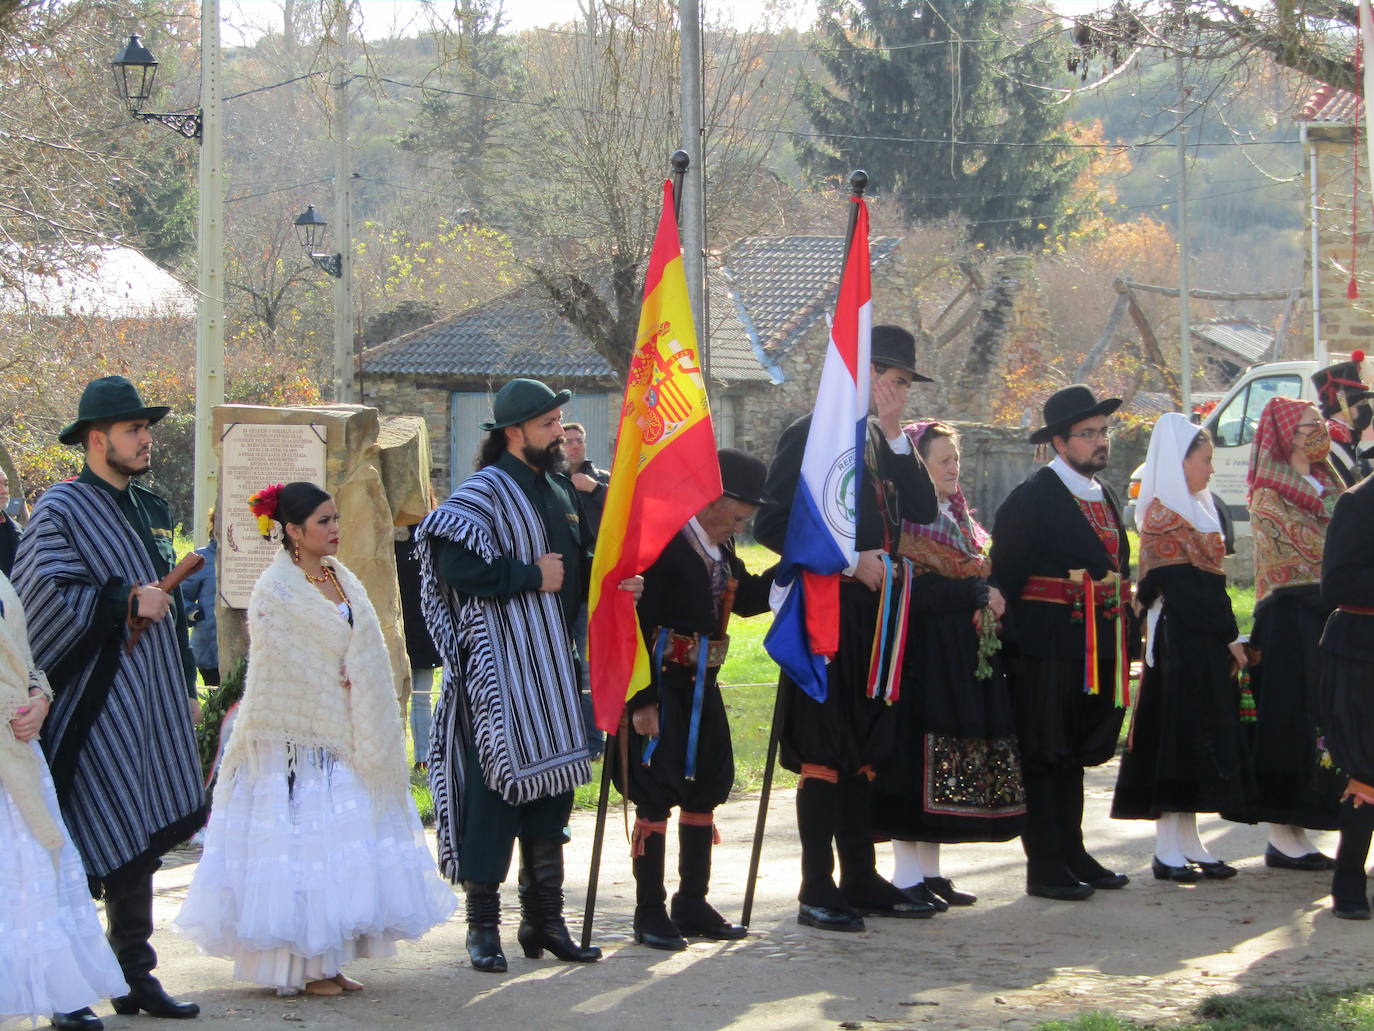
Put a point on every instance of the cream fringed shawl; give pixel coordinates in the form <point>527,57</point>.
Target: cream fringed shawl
<point>21,770</point>
<point>300,653</point>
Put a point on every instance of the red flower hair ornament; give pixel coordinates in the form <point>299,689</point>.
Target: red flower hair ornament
<point>264,506</point>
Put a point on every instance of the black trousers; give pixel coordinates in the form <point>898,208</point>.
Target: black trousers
<point>491,825</point>
<point>1349,881</point>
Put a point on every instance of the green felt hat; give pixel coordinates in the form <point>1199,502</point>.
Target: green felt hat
<point>110,399</point>
<point>522,399</point>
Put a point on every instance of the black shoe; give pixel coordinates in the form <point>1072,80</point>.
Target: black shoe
<point>829,919</point>
<point>1216,870</point>
<point>484,920</point>
<point>1276,860</point>
<point>1188,873</point>
<point>145,993</point>
<point>654,929</point>
<point>923,898</point>
<point>697,918</point>
<point>1357,910</point>
<point>943,888</point>
<point>1060,892</point>
<point>874,895</point>
<point>1109,881</point>
<point>85,1019</point>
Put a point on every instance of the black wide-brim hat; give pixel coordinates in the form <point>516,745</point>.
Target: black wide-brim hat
<point>522,399</point>
<point>109,399</point>
<point>1070,405</point>
<point>742,476</point>
<point>895,346</point>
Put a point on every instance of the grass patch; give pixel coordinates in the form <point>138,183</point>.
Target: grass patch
<point>1304,1008</point>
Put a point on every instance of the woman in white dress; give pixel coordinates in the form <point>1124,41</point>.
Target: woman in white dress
<point>54,960</point>
<point>314,779</point>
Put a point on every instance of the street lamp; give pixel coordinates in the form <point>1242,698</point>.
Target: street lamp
<point>135,68</point>
<point>310,226</point>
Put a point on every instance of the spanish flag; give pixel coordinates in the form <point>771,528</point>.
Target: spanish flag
<point>665,471</point>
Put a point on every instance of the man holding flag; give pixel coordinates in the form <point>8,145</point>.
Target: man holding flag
<point>836,717</point>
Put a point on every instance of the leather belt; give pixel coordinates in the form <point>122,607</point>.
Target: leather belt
<point>681,649</point>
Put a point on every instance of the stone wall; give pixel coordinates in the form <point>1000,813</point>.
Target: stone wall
<point>1346,323</point>
<point>417,396</point>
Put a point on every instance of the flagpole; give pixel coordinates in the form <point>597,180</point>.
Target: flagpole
<point>858,182</point>
<point>680,162</point>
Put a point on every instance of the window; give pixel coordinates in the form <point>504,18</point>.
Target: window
<point>1234,425</point>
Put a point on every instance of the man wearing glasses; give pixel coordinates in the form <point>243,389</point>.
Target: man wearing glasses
<point>1061,558</point>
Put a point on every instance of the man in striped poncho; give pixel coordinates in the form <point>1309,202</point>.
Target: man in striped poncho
<point>120,738</point>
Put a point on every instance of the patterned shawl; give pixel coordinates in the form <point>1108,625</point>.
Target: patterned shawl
<point>1269,460</point>
<point>1167,539</point>
<point>510,685</point>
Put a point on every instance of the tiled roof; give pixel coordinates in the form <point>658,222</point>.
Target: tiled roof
<point>1332,105</point>
<point>1240,337</point>
<point>765,293</point>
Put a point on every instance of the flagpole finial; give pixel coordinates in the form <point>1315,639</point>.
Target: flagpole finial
<point>858,182</point>
<point>680,160</point>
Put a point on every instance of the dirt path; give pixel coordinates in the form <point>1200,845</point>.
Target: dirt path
<point>1150,951</point>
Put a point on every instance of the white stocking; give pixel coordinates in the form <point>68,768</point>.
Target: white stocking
<point>1291,840</point>
<point>906,865</point>
<point>929,853</point>
<point>1167,849</point>
<point>1189,842</point>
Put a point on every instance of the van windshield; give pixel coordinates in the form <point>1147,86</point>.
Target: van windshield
<point>1235,424</point>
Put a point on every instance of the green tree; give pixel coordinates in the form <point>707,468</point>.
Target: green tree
<point>935,100</point>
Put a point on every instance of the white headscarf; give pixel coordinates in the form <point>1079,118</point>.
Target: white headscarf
<point>1164,480</point>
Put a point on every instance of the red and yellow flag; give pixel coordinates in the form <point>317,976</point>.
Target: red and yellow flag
<point>665,471</point>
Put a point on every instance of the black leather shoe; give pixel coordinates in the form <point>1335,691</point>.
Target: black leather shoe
<point>943,888</point>
<point>1216,870</point>
<point>146,994</point>
<point>829,919</point>
<point>654,929</point>
<point>1276,860</point>
<point>1060,892</point>
<point>1357,910</point>
<point>697,918</point>
<point>923,898</point>
<point>1188,873</point>
<point>1109,881</point>
<point>85,1019</point>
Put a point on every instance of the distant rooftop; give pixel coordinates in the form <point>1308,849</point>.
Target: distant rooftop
<point>1333,106</point>
<point>117,282</point>
<point>1246,340</point>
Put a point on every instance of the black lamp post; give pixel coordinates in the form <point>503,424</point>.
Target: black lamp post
<point>310,226</point>
<point>135,68</point>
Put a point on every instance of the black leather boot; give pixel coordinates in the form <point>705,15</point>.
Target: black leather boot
<point>541,904</point>
<point>1349,882</point>
<point>146,993</point>
<point>484,921</point>
<point>653,927</point>
<point>693,915</point>
<point>822,906</point>
<point>129,916</point>
<point>862,886</point>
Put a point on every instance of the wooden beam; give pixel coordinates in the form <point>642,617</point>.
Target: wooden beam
<point>1095,354</point>
<point>1215,295</point>
<point>1149,343</point>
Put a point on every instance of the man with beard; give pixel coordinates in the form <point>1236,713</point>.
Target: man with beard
<point>503,567</point>
<point>1056,531</point>
<point>120,738</point>
<point>1345,405</point>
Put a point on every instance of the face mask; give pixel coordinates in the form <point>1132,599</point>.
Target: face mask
<point>1317,444</point>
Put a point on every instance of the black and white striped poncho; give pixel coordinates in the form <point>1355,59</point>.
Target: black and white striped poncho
<point>119,738</point>
<point>510,685</point>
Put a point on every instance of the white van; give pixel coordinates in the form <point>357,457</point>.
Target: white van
<point>1232,426</point>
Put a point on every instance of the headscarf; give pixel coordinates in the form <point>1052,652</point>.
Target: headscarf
<point>1164,481</point>
<point>957,529</point>
<point>1269,460</point>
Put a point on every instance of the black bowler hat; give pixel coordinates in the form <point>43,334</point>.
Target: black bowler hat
<point>894,346</point>
<point>522,399</point>
<point>110,399</point>
<point>742,476</point>
<point>1070,405</point>
<point>1339,386</point>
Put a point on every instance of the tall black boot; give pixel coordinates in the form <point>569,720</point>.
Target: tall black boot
<point>541,904</point>
<point>484,921</point>
<point>652,925</point>
<point>822,905</point>
<point>129,916</point>
<point>1349,882</point>
<point>860,883</point>
<point>1081,864</point>
<point>1047,870</point>
<point>693,915</point>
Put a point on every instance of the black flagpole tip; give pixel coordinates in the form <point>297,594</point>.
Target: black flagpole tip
<point>858,181</point>
<point>680,160</point>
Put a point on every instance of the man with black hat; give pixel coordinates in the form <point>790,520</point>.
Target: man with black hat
<point>1061,558</point>
<point>1346,407</point>
<point>677,751</point>
<point>834,744</point>
<point>503,565</point>
<point>121,738</point>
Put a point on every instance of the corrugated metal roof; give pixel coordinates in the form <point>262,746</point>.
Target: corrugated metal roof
<point>1241,337</point>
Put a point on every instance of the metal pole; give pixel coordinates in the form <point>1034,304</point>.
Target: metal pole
<point>1185,329</point>
<point>692,218</point>
<point>1318,341</point>
<point>210,272</point>
<point>343,206</point>
<point>598,837</point>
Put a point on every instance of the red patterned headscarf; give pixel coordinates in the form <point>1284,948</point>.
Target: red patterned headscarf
<point>1269,458</point>
<point>959,529</point>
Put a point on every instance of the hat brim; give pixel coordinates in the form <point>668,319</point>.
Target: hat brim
<point>760,499</point>
<point>71,433</point>
<point>1047,433</point>
<point>557,401</point>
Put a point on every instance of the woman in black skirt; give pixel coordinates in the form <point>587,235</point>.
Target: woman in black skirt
<point>956,773</point>
<point>1184,749</point>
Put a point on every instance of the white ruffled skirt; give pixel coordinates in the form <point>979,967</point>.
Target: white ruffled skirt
<point>53,954</point>
<point>302,873</point>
